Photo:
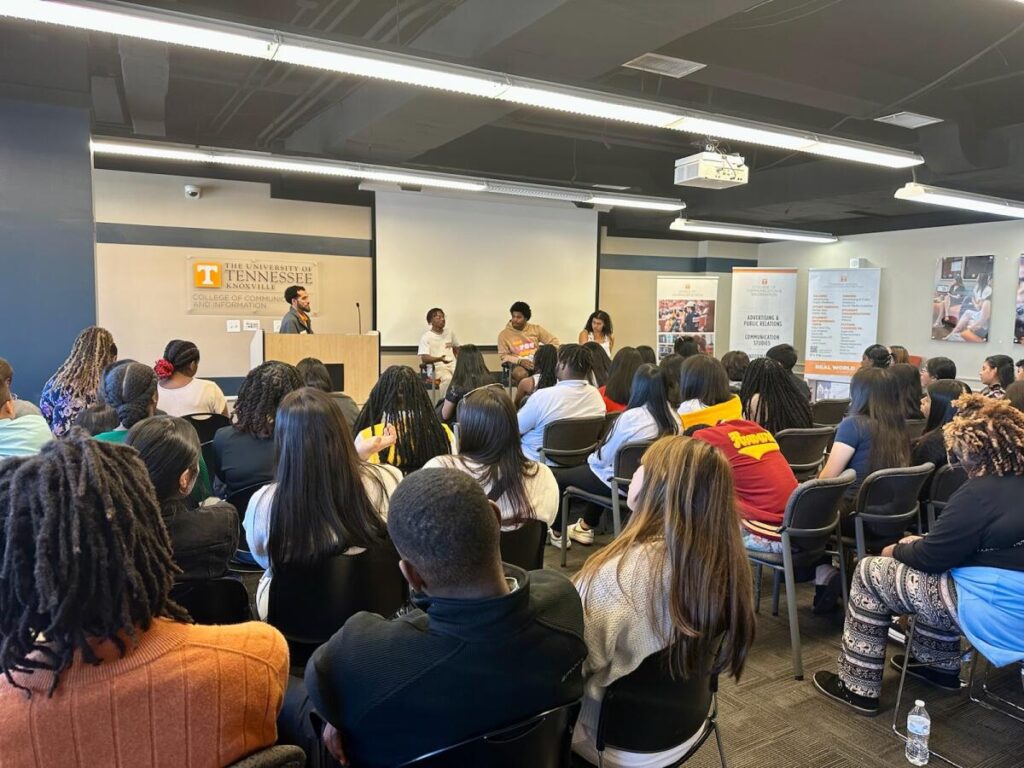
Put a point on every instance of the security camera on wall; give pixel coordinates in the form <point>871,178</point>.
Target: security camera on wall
<point>192,192</point>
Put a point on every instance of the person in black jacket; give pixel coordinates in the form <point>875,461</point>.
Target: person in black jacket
<point>203,537</point>
<point>938,409</point>
<point>488,646</point>
<point>966,576</point>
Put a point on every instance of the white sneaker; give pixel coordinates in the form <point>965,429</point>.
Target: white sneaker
<point>583,535</point>
<point>556,541</point>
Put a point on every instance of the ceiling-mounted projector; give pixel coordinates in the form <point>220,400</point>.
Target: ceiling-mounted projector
<point>711,170</point>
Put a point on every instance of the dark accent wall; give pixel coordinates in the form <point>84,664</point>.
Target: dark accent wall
<point>47,281</point>
<point>695,264</point>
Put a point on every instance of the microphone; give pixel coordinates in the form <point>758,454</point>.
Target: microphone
<point>359,312</point>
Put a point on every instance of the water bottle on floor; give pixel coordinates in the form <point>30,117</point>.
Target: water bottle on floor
<point>919,725</point>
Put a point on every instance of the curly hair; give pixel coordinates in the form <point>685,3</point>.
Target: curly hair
<point>986,436</point>
<point>130,389</point>
<point>84,555</point>
<point>577,359</point>
<point>779,405</point>
<point>260,394</point>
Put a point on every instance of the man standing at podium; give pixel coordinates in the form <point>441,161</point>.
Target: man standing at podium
<point>297,319</point>
<point>437,348</point>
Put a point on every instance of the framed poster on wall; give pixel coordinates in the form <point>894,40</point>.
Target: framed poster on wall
<point>962,301</point>
<point>686,307</point>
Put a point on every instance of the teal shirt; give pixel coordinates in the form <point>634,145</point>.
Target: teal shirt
<point>202,491</point>
<point>23,436</point>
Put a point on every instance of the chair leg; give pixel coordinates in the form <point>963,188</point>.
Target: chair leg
<point>565,529</point>
<point>776,582</point>
<point>757,588</point>
<point>911,628</point>
<point>721,750</point>
<point>794,617</point>
<point>842,570</point>
<point>616,509</point>
<point>862,547</point>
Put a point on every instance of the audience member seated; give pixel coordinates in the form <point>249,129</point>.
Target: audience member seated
<point>399,403</point>
<point>75,385</point>
<point>324,499</point>
<point>785,355</point>
<point>686,346</point>
<point>965,577</point>
<point>244,452</point>
<point>616,390</point>
<point>900,354</point>
<point>1015,395</point>
<point>938,409</point>
<point>704,393</point>
<point>996,374</point>
<point>647,417</point>
<point>671,366</point>
<point>647,354</point>
<point>489,645</point>
<point>203,537</point>
<point>545,365</point>
<point>470,373</point>
<point>315,374</point>
<point>762,477</point>
<point>602,364</point>
<point>676,576</point>
<point>20,434</point>
<point>94,656</point>
<point>179,392</point>
<point>97,419</point>
<point>876,356</point>
<point>490,452</point>
<point>908,379</point>
<point>573,397</point>
<point>770,396</point>
<point>520,340</point>
<point>599,330</point>
<point>1019,370</point>
<point>735,363</point>
<point>937,368</point>
<point>872,437</point>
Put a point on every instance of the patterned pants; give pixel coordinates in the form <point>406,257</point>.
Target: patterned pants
<point>882,588</point>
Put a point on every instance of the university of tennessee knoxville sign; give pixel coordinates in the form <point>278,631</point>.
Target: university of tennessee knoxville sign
<point>245,286</point>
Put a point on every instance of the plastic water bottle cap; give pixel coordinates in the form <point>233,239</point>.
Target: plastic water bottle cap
<point>918,703</point>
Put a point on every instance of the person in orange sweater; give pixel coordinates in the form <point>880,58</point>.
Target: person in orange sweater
<point>98,666</point>
<point>520,339</point>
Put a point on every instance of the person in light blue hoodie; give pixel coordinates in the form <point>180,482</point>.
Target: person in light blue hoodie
<point>966,577</point>
<point>23,430</point>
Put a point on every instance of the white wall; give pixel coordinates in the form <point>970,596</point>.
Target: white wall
<point>908,260</point>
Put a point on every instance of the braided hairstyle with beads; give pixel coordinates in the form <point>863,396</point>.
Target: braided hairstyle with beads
<point>84,555</point>
<point>779,404</point>
<point>986,436</point>
<point>260,394</point>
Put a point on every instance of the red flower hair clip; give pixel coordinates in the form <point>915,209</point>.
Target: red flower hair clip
<point>164,368</point>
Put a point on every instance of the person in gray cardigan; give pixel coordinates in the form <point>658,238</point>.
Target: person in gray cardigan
<point>296,319</point>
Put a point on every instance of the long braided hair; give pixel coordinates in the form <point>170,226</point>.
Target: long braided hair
<point>93,350</point>
<point>779,404</point>
<point>398,398</point>
<point>260,394</point>
<point>83,555</point>
<point>545,362</point>
<point>986,436</point>
<point>130,389</point>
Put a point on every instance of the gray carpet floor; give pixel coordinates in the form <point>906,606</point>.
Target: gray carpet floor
<point>771,719</point>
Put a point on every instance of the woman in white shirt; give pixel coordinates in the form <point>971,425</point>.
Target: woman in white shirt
<point>599,329</point>
<point>180,393</point>
<point>325,500</point>
<point>648,416</point>
<point>490,451</point>
<point>677,576</point>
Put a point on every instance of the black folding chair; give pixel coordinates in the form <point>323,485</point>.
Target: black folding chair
<point>541,741</point>
<point>828,413</point>
<point>309,603</point>
<point>946,481</point>
<point>524,546</point>
<point>804,449</point>
<point>810,519</point>
<point>915,428</point>
<point>207,424</point>
<point>223,600</point>
<point>568,442</point>
<point>277,756</point>
<point>609,422</point>
<point>242,561</point>
<point>627,460</point>
<point>887,502</point>
<point>650,711</point>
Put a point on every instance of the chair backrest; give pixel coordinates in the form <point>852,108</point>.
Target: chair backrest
<point>223,600</point>
<point>649,711</point>
<point>240,501</point>
<point>609,422</point>
<point>541,741</point>
<point>568,442</point>
<point>829,412</point>
<point>277,756</point>
<point>804,449</point>
<point>888,498</point>
<point>915,428</point>
<point>524,547</point>
<point>308,604</point>
<point>946,482</point>
<point>207,424</point>
<point>812,511</point>
<point>627,460</point>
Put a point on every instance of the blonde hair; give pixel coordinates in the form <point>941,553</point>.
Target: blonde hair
<point>82,371</point>
<point>687,508</point>
<point>986,436</point>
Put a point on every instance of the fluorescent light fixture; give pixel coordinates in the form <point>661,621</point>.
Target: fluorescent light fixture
<point>757,233</point>
<point>951,198</point>
<point>184,29</point>
<point>366,172</point>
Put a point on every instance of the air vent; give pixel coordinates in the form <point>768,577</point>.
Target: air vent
<point>664,65</point>
<point>908,120</point>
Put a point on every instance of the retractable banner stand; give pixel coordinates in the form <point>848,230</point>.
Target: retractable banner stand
<point>763,309</point>
<point>686,307</point>
<point>842,321</point>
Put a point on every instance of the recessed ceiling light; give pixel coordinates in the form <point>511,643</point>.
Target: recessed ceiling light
<point>660,64</point>
<point>908,120</point>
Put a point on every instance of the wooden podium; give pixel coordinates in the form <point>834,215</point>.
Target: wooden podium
<point>359,354</point>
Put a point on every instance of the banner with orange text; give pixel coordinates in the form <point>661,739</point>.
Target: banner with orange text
<point>842,321</point>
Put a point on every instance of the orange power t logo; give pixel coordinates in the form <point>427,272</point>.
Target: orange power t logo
<point>206,274</point>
